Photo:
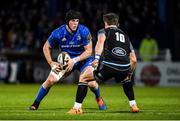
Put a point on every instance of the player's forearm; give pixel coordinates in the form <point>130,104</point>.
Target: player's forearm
<point>133,66</point>
<point>99,49</point>
<point>47,53</point>
<point>100,44</point>
<point>85,54</point>
<point>133,61</point>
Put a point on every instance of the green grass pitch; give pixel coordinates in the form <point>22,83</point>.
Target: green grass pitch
<point>154,102</point>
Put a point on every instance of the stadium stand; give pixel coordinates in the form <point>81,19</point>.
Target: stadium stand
<point>26,27</point>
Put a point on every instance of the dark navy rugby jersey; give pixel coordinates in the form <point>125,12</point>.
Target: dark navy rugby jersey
<point>117,46</point>
<point>73,43</point>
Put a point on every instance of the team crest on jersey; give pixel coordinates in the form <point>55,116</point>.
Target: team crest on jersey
<point>63,39</point>
<point>119,51</point>
<point>79,37</point>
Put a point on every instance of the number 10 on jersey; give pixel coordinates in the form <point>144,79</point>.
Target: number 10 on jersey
<point>120,37</point>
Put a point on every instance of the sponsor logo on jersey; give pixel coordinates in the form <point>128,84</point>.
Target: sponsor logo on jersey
<point>119,51</point>
<point>71,43</point>
<point>70,46</point>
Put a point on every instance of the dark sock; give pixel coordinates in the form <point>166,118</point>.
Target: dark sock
<point>41,94</point>
<point>96,91</point>
<point>128,89</point>
<point>81,92</point>
<point>36,104</point>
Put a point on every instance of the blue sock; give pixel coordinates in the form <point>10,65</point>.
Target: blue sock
<point>96,91</point>
<point>41,94</point>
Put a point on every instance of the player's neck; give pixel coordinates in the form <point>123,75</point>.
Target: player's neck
<point>109,26</point>
<point>69,30</point>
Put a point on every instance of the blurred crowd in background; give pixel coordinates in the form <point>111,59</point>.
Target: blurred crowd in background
<point>25,25</point>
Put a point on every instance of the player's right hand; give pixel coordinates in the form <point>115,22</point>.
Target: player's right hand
<point>56,65</point>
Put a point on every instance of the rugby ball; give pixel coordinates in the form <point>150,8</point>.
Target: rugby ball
<point>62,58</point>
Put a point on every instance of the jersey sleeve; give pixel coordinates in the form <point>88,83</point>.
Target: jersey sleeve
<point>101,31</point>
<point>53,38</point>
<point>131,47</point>
<point>87,36</point>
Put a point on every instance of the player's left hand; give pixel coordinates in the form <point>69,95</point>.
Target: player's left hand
<point>70,64</point>
<point>95,63</point>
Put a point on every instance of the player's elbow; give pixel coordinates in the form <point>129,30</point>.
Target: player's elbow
<point>133,58</point>
<point>134,62</point>
<point>46,47</point>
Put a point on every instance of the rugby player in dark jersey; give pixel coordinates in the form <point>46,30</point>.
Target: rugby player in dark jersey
<point>115,57</point>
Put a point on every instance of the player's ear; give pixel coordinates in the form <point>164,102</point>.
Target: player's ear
<point>118,25</point>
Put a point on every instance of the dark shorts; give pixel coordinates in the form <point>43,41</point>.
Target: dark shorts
<point>105,72</point>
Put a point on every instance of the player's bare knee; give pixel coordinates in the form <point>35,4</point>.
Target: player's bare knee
<point>83,79</point>
<point>87,75</point>
<point>48,83</point>
<point>51,82</point>
<point>92,84</point>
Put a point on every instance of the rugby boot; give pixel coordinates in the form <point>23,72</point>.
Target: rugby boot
<point>134,109</point>
<point>101,103</point>
<point>74,111</point>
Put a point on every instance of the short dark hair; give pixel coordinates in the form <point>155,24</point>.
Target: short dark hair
<point>72,14</point>
<point>111,18</point>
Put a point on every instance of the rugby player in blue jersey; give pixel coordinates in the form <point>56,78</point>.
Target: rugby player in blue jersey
<point>75,39</point>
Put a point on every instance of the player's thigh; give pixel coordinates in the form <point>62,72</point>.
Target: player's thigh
<point>87,74</point>
<point>103,73</point>
<point>121,75</point>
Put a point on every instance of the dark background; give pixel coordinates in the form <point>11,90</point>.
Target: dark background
<point>25,25</point>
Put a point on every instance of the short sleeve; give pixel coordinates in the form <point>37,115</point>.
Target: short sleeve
<point>131,47</point>
<point>87,36</point>
<point>53,38</point>
<point>101,31</point>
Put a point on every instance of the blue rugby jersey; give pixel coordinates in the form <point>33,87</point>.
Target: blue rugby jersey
<point>73,43</point>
